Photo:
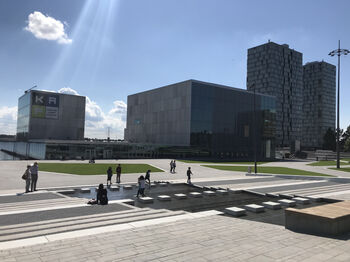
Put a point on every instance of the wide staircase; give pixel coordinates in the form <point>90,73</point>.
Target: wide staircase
<point>41,217</point>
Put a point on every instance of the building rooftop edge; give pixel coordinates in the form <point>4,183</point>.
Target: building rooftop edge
<point>207,83</point>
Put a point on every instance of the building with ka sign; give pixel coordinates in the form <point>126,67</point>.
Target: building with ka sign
<point>47,115</point>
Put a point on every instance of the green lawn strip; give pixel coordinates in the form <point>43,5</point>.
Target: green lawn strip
<point>94,169</point>
<point>327,163</point>
<point>345,169</point>
<point>346,159</point>
<point>214,162</point>
<point>270,170</point>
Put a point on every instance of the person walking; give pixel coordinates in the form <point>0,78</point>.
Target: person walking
<point>148,178</point>
<point>34,176</point>
<point>174,166</point>
<point>141,182</point>
<point>27,177</point>
<point>109,176</point>
<point>189,173</point>
<point>171,166</point>
<point>119,171</point>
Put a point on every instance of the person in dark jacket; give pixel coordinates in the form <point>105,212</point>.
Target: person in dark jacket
<point>109,175</point>
<point>148,178</point>
<point>118,171</point>
<point>101,197</point>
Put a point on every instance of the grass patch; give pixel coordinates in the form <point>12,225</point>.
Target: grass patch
<point>270,170</point>
<point>94,169</point>
<point>345,169</point>
<point>327,163</point>
<point>218,162</point>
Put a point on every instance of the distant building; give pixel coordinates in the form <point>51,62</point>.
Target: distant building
<point>319,102</point>
<point>211,120</point>
<point>277,70</point>
<point>48,115</point>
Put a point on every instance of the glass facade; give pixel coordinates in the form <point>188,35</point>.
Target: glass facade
<point>23,116</point>
<point>222,122</point>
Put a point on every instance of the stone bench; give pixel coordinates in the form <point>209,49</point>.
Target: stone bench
<point>114,188</point>
<point>235,191</point>
<point>254,208</point>
<point>221,192</point>
<point>85,190</point>
<point>272,205</point>
<point>209,193</point>
<point>163,184</point>
<point>66,192</point>
<point>164,198</point>
<point>287,196</point>
<point>235,211</point>
<point>127,187</point>
<point>330,219</point>
<point>287,202</point>
<point>180,196</point>
<point>146,200</point>
<point>301,200</point>
<point>195,194</point>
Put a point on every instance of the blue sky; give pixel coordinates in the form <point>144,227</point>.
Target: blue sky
<point>108,49</point>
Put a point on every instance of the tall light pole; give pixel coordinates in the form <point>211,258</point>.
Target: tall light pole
<point>338,52</point>
<point>254,128</point>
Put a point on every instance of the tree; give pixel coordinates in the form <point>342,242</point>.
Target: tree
<point>347,145</point>
<point>344,138</point>
<point>329,140</point>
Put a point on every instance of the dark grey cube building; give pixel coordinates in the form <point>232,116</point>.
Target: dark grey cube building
<point>277,70</point>
<point>319,102</point>
<point>48,115</point>
<point>203,116</point>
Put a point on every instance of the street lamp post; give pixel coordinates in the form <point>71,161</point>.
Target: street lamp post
<point>338,52</point>
<point>254,128</point>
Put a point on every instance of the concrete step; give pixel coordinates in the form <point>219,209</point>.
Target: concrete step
<point>76,218</point>
<point>40,204</point>
<point>97,222</point>
<point>317,190</point>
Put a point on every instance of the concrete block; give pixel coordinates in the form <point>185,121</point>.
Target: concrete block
<point>163,184</point>
<point>301,200</point>
<point>67,192</point>
<point>254,208</point>
<point>272,195</point>
<point>85,190</point>
<point>287,202</point>
<point>146,200</point>
<point>127,187</point>
<point>314,198</point>
<point>209,193</point>
<point>153,185</point>
<point>287,196</point>
<point>272,205</point>
<point>235,211</point>
<point>235,191</point>
<point>114,188</point>
<point>164,198</point>
<point>195,194</point>
<point>221,192</point>
<point>180,196</point>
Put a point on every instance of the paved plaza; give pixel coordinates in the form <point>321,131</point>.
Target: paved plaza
<point>54,226</point>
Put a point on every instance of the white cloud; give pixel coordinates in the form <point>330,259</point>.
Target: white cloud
<point>46,27</point>
<point>8,120</point>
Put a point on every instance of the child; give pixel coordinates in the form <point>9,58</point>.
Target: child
<point>141,190</point>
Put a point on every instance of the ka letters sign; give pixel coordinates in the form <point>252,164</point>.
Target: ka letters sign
<point>46,104</point>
